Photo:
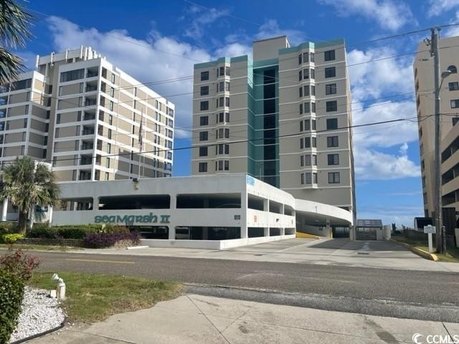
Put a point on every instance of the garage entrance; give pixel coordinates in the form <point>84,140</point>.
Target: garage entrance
<point>368,229</point>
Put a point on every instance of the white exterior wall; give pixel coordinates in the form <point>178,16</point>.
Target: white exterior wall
<point>203,217</point>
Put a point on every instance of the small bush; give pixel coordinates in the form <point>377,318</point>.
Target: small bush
<point>19,264</point>
<point>10,238</point>
<point>73,232</point>
<point>102,240</point>
<point>11,294</point>
<point>7,227</point>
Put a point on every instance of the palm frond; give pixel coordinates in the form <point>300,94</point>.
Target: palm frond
<point>14,24</point>
<point>10,66</point>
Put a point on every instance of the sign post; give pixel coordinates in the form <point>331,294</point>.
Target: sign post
<point>429,230</point>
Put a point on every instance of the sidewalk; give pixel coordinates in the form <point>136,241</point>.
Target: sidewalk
<point>204,319</point>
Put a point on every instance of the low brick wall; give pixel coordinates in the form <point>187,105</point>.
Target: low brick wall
<point>54,242</point>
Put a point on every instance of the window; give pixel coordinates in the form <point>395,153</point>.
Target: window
<point>332,141</point>
<point>203,120</point>
<point>453,86</point>
<point>313,90</point>
<point>307,125</point>
<point>222,117</point>
<point>314,160</point>
<point>330,89</point>
<point>331,105</point>
<point>313,107</point>
<point>204,105</point>
<point>332,123</point>
<point>307,107</point>
<point>307,142</point>
<point>455,120</point>
<point>222,149</point>
<point>306,91</point>
<point>21,84</point>
<point>300,90</point>
<point>305,73</point>
<point>452,69</point>
<point>305,57</point>
<point>203,136</point>
<point>300,75</point>
<point>330,72</point>
<point>333,159</point>
<point>301,108</point>
<point>312,57</point>
<point>222,133</point>
<point>72,75</point>
<point>333,178</point>
<point>454,103</point>
<point>203,167</point>
<point>203,151</point>
<point>313,124</point>
<point>309,178</point>
<point>329,55</point>
<point>204,90</point>
<point>300,59</point>
<point>307,160</point>
<point>205,76</point>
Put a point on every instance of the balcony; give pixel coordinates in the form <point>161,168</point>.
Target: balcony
<point>87,130</point>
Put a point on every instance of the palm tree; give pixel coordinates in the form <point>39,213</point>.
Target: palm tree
<point>14,31</point>
<point>28,184</point>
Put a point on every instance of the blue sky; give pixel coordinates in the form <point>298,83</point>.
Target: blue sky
<point>159,41</point>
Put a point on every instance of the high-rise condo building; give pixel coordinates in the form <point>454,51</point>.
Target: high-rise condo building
<point>449,118</point>
<point>88,118</point>
<point>282,116</point>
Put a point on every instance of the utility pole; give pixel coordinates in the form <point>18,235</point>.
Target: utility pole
<point>440,234</point>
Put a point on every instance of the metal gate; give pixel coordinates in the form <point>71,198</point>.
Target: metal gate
<point>365,234</point>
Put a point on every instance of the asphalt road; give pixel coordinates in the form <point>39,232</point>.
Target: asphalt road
<point>429,295</point>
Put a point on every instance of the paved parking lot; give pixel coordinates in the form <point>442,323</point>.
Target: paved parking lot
<point>371,254</point>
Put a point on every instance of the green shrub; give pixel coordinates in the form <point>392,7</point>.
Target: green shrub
<point>11,294</point>
<point>19,264</point>
<point>73,231</point>
<point>7,227</point>
<point>103,240</point>
<point>10,238</point>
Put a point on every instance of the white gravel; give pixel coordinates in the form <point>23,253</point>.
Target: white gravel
<point>40,313</point>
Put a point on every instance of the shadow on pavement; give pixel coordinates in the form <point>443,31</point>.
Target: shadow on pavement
<point>346,244</point>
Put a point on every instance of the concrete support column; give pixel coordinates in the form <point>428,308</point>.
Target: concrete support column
<point>173,207</point>
<point>282,228</point>
<point>244,231</point>
<point>50,214</point>
<point>5,209</point>
<point>266,210</point>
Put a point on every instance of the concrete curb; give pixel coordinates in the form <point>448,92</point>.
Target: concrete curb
<point>302,235</point>
<point>418,251</point>
<point>136,247</point>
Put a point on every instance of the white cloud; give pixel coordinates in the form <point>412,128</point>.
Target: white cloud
<point>271,29</point>
<point>156,58</point>
<point>388,14</point>
<point>373,165</point>
<point>437,7</point>
<point>234,49</point>
<point>453,30</point>
<point>203,17</point>
<point>382,91</point>
<point>375,72</point>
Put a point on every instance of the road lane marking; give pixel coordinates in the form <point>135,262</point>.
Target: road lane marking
<point>100,261</point>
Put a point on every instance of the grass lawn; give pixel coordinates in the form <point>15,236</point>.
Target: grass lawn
<point>94,297</point>
<point>451,255</point>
